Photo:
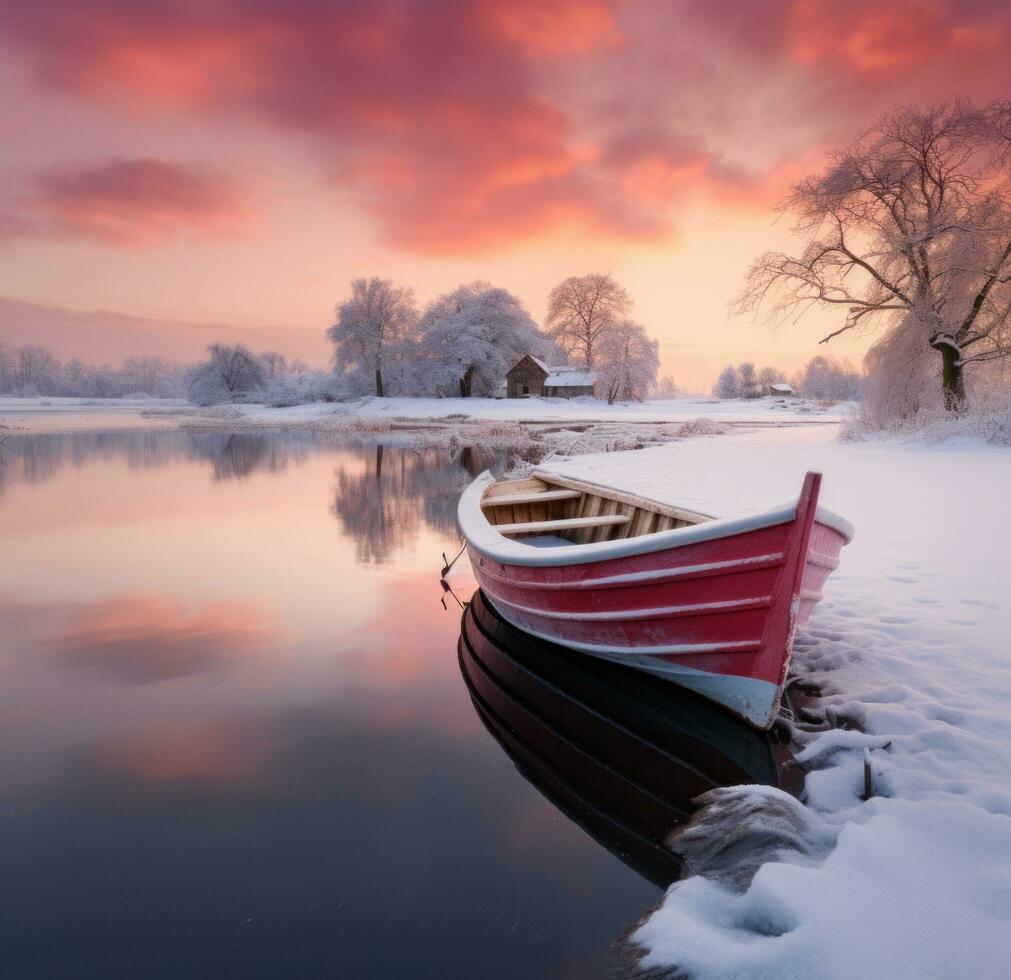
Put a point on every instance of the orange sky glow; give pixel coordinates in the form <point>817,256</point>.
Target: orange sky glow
<point>237,162</point>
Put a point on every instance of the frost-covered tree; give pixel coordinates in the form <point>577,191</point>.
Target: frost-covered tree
<point>231,373</point>
<point>728,384</point>
<point>151,376</point>
<point>666,388</point>
<point>827,379</point>
<point>581,310</point>
<point>373,328</point>
<point>471,337</point>
<point>36,371</point>
<point>275,365</point>
<point>6,368</point>
<point>908,228</point>
<point>748,376</point>
<point>628,361</point>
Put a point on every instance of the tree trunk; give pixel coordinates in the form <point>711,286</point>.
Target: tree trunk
<point>379,383</point>
<point>952,381</point>
<point>467,383</point>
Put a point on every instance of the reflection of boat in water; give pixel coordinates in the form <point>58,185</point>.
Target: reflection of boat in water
<point>622,753</point>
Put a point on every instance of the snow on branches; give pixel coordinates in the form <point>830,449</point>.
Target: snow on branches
<point>910,228</point>
<point>470,338</point>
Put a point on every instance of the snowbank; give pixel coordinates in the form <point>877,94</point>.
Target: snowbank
<point>911,641</point>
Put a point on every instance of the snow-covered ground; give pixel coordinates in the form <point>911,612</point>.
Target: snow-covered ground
<point>913,641</point>
<point>467,420</point>
<point>557,409</point>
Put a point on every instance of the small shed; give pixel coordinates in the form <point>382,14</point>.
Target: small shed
<point>780,389</point>
<point>566,382</point>
<point>530,376</point>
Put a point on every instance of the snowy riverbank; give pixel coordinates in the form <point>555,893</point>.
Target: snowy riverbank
<point>29,413</point>
<point>911,642</point>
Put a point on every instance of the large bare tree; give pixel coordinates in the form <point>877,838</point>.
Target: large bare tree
<point>583,308</point>
<point>372,327</point>
<point>908,228</point>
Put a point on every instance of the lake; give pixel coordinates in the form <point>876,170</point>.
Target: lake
<point>235,740</point>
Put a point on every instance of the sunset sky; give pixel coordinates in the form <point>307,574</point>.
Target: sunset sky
<point>237,162</point>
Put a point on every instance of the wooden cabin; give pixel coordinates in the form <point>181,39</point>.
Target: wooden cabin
<point>779,389</point>
<point>530,376</point>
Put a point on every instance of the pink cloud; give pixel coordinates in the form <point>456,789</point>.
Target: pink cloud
<point>133,203</point>
<point>462,125</point>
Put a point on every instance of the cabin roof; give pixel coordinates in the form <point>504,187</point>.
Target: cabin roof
<point>567,377</point>
<point>781,386</point>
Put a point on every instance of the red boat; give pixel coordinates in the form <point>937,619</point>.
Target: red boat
<point>710,604</point>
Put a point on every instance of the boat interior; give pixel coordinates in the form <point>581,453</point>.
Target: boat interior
<point>552,511</point>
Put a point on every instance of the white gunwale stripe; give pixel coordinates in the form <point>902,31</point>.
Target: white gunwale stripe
<point>737,646</point>
<point>659,612</point>
<point>754,563</point>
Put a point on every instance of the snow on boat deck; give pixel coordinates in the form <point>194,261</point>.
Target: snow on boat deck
<point>912,638</point>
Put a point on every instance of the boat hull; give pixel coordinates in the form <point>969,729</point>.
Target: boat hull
<point>717,615</point>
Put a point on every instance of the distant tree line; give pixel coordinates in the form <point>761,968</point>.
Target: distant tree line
<point>824,379</point>
<point>32,371</point>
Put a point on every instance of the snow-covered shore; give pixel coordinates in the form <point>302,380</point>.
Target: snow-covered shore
<point>556,409</point>
<point>32,413</point>
<point>912,642</point>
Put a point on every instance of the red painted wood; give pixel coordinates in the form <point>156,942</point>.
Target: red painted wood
<point>748,613</point>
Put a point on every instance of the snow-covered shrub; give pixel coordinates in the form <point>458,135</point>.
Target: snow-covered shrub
<point>304,387</point>
<point>699,427</point>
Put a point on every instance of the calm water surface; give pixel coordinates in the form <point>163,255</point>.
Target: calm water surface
<point>234,736</point>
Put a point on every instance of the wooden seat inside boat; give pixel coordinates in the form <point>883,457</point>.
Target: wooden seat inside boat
<point>553,510</point>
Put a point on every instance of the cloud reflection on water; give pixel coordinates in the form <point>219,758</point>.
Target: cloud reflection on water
<point>150,637</point>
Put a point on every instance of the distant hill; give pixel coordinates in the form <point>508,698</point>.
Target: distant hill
<point>106,338</point>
